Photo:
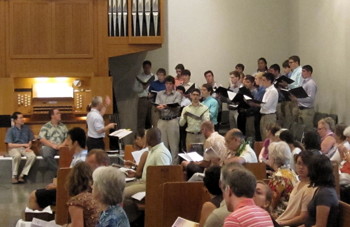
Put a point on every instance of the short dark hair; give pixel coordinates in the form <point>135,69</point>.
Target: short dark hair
<point>269,76</point>
<point>186,72</point>
<point>312,140</point>
<point>308,68</point>
<point>101,156</point>
<point>196,90</point>
<point>275,67</point>
<point>287,137</point>
<point>79,179</point>
<point>153,137</point>
<point>161,70</point>
<point>180,66</point>
<point>170,79</point>
<point>211,180</point>
<point>140,133</point>
<point>51,112</point>
<point>78,134</point>
<point>208,87</point>
<point>321,172</point>
<point>181,88</point>
<point>241,182</point>
<point>339,131</point>
<point>208,71</point>
<point>147,62</point>
<point>14,116</point>
<point>240,65</point>
<point>235,74</point>
<point>295,58</point>
<point>285,64</point>
<point>250,78</point>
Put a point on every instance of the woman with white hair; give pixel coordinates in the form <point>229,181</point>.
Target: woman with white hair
<point>108,188</point>
<point>325,128</point>
<point>283,179</point>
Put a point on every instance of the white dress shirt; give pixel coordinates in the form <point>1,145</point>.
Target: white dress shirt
<point>95,123</point>
<point>269,100</point>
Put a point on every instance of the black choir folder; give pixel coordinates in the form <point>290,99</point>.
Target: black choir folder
<point>284,78</point>
<point>144,81</point>
<point>190,89</point>
<point>298,92</point>
<point>171,105</point>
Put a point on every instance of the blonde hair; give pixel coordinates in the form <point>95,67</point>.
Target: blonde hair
<point>328,123</point>
<point>259,75</point>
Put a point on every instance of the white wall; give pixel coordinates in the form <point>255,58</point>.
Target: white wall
<point>320,35</point>
<point>218,34</point>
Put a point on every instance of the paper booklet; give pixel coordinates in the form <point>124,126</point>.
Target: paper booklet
<point>137,154</point>
<point>121,133</point>
<point>139,196</point>
<point>191,156</point>
<point>247,98</point>
<point>182,222</point>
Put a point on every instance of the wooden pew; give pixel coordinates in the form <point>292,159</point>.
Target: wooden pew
<point>62,216</point>
<point>184,199</point>
<point>344,214</point>
<point>127,153</point>
<point>258,145</point>
<point>156,176</point>
<point>258,169</point>
<point>66,157</point>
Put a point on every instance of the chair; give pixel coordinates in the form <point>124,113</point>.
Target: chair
<point>62,215</point>
<point>258,145</point>
<point>66,157</point>
<point>156,176</point>
<point>344,214</point>
<point>127,153</point>
<point>258,169</point>
<point>183,199</point>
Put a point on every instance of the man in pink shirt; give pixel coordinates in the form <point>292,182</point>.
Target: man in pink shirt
<point>238,188</point>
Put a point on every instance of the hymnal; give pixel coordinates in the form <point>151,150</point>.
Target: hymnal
<point>298,92</point>
<point>191,156</point>
<point>145,80</point>
<point>284,78</point>
<point>190,89</point>
<point>137,154</point>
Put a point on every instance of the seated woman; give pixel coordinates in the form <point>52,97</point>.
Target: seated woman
<point>340,139</point>
<point>108,188</point>
<point>325,129</point>
<point>263,198</point>
<point>296,211</point>
<point>283,179</point>
<point>323,208</point>
<point>211,182</point>
<point>312,142</point>
<point>83,208</point>
<point>271,137</point>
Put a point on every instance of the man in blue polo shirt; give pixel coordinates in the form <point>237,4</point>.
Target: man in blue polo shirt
<point>19,140</point>
<point>211,103</point>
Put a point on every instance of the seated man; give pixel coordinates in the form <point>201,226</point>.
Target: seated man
<point>76,139</point>
<point>240,151</point>
<point>19,140</point>
<point>217,155</point>
<point>53,136</point>
<point>238,190</point>
<point>158,155</point>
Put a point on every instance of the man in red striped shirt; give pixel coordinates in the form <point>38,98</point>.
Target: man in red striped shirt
<point>238,190</point>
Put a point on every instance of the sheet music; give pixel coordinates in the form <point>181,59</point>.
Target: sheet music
<point>191,156</point>
<point>139,196</point>
<point>137,154</point>
<point>231,94</point>
<point>121,133</point>
<point>182,222</point>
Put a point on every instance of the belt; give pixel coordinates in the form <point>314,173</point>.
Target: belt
<point>101,138</point>
<point>194,133</point>
<point>267,114</point>
<point>304,108</point>
<point>168,118</point>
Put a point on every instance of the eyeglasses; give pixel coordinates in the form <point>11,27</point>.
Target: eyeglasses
<point>319,129</point>
<point>291,62</point>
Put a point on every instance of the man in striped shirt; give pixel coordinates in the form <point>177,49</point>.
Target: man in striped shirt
<point>238,190</point>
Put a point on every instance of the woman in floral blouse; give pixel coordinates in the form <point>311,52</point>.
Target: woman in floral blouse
<point>283,179</point>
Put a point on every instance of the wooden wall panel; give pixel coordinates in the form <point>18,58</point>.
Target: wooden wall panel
<point>3,26</point>
<point>102,86</point>
<point>73,28</point>
<point>30,31</point>
<point>6,96</point>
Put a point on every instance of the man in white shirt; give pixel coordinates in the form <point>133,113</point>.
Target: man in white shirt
<point>141,87</point>
<point>95,122</point>
<point>269,103</point>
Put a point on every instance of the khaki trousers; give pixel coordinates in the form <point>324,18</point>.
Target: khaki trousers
<point>306,117</point>
<point>193,138</point>
<point>232,118</point>
<point>250,127</point>
<point>264,121</point>
<point>16,153</point>
<point>170,132</point>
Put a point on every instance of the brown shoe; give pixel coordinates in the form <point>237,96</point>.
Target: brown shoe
<point>21,180</point>
<point>14,181</point>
